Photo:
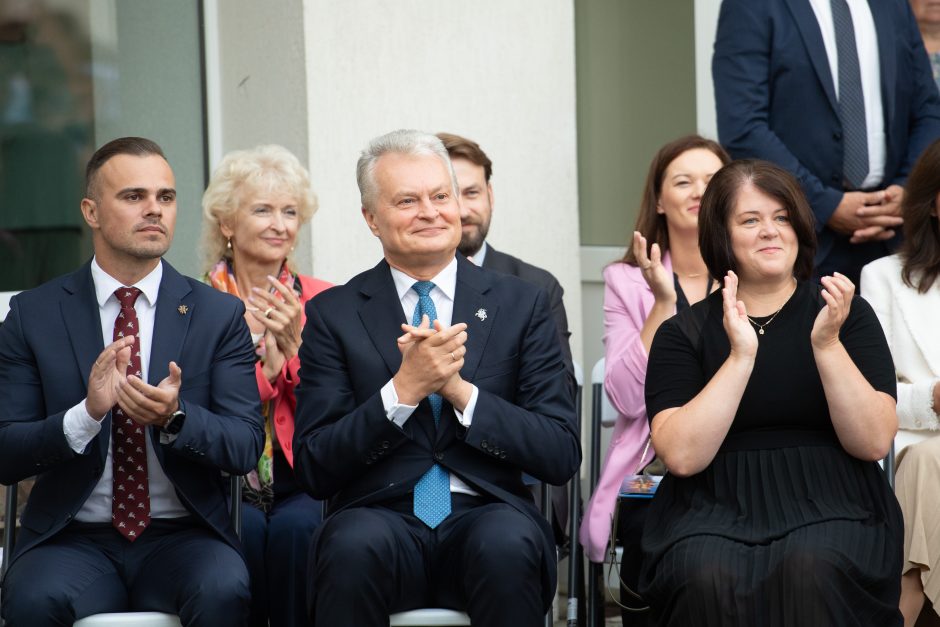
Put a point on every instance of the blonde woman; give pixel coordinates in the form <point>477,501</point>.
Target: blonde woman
<point>253,209</point>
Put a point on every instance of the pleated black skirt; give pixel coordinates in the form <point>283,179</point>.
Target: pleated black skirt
<point>797,537</point>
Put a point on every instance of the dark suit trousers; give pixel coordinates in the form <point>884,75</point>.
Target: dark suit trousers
<point>88,568</point>
<point>370,562</point>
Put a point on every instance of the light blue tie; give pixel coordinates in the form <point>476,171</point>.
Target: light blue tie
<point>432,492</point>
<point>851,100</point>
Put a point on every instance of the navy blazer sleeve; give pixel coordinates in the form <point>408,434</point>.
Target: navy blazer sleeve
<point>224,427</point>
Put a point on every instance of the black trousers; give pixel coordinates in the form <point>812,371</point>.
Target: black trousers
<point>89,568</point>
<point>485,559</point>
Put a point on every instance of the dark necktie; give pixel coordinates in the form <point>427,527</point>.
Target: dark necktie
<point>432,492</point>
<point>851,100</point>
<point>130,503</point>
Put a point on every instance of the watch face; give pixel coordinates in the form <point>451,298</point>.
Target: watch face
<point>175,423</point>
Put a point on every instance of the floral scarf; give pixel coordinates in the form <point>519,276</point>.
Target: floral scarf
<point>258,487</point>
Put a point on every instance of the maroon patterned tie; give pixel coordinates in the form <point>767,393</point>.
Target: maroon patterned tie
<point>130,503</point>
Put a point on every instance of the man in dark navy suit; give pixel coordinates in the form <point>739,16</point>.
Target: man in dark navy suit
<point>474,169</point>
<point>428,386</point>
<point>838,92</point>
<point>127,389</point>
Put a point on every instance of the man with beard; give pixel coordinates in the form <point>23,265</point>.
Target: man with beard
<point>474,170</point>
<point>127,389</point>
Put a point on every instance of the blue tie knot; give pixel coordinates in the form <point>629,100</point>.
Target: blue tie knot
<point>423,288</point>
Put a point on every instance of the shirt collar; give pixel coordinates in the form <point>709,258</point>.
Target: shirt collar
<point>105,284</point>
<point>480,255</point>
<point>445,280</point>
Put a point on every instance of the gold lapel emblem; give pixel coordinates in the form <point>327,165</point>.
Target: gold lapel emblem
<point>182,309</point>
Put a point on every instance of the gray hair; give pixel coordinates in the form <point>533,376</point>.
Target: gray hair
<point>404,142</point>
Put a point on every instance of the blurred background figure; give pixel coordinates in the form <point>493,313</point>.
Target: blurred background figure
<point>904,290</point>
<point>255,203</point>
<point>661,273</point>
<point>772,401</point>
<point>45,138</point>
<point>927,14</point>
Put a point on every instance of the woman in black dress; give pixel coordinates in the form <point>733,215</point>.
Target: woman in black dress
<point>771,402</point>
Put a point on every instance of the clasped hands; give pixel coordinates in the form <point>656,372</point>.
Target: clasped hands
<point>110,385</point>
<point>431,359</point>
<point>869,216</point>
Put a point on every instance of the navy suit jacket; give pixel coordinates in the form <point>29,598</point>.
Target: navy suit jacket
<point>48,343</point>
<point>347,450</point>
<point>776,100</point>
<point>502,262</point>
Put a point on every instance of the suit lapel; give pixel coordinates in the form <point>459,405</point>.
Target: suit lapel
<point>808,26</point>
<point>471,306</point>
<point>381,314</point>
<point>175,309</point>
<point>885,29</point>
<point>920,316</point>
<point>80,315</point>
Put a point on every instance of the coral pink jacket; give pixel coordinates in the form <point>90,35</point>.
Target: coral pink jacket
<point>627,302</point>
<point>281,392</point>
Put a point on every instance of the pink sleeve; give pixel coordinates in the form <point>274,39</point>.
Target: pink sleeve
<point>627,302</point>
<point>266,390</point>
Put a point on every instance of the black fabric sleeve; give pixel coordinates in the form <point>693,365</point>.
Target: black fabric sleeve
<point>865,342</point>
<point>674,373</point>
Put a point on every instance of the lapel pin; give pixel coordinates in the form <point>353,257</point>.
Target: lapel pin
<point>481,314</point>
<point>182,309</point>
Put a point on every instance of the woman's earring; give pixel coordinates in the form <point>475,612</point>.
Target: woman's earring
<point>229,245</point>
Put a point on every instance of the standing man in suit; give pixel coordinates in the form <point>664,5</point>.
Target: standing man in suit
<point>427,388</point>
<point>127,389</point>
<point>838,92</point>
<point>474,169</point>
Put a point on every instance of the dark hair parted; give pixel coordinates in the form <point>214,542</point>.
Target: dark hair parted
<point>718,204</point>
<point>137,146</point>
<point>920,250</point>
<point>650,223</point>
<point>462,148</point>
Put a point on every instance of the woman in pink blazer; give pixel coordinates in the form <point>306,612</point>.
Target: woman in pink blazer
<point>253,209</point>
<point>642,290</point>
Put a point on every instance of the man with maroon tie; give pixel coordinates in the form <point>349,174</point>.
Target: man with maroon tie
<point>126,389</point>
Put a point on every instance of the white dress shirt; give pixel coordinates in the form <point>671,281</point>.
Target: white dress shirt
<point>80,428</point>
<point>479,257</point>
<point>866,40</point>
<point>445,285</point>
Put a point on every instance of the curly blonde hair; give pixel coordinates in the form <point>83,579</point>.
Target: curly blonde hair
<point>261,169</point>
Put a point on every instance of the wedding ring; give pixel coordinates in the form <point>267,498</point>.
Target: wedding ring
<point>267,312</point>
<point>454,357</point>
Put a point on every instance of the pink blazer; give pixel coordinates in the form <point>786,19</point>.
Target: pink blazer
<point>627,302</point>
<point>282,390</point>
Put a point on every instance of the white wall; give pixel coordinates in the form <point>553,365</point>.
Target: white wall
<point>500,72</point>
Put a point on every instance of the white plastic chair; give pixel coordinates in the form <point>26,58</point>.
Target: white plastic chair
<point>129,619</point>
<point>428,617</point>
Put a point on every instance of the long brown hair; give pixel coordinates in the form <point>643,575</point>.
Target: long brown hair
<point>920,250</point>
<point>650,223</point>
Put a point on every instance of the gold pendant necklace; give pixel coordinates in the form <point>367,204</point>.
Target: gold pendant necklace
<point>760,327</point>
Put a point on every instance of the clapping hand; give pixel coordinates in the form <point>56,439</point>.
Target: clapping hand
<point>654,272</point>
<point>740,332</point>
<point>837,291</point>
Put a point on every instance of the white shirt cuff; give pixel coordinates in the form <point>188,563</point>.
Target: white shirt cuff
<point>79,427</point>
<point>466,416</point>
<point>395,411</point>
<point>918,413</point>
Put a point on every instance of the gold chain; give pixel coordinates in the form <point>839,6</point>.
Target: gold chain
<point>760,327</point>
